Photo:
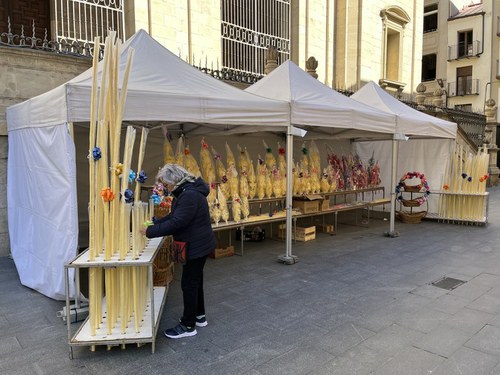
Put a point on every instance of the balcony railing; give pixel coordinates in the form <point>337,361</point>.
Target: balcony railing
<point>468,86</point>
<point>464,50</point>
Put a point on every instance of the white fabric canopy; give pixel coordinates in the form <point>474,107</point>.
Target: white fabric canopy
<point>320,109</point>
<point>415,124</point>
<point>41,183</point>
<point>324,113</point>
<point>409,121</point>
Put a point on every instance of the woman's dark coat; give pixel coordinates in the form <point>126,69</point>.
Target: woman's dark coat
<point>189,219</point>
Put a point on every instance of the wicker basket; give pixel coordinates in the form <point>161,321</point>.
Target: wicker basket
<point>161,211</point>
<point>410,203</point>
<point>413,188</point>
<point>411,217</point>
<point>163,267</point>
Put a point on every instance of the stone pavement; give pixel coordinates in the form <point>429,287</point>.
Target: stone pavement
<point>355,303</point>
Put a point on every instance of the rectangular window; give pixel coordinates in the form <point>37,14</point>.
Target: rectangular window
<point>430,18</point>
<point>464,80</point>
<point>465,47</point>
<point>248,28</point>
<point>429,67</point>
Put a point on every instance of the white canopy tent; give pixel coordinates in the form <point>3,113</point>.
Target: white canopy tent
<point>324,112</point>
<point>413,124</point>
<point>41,183</point>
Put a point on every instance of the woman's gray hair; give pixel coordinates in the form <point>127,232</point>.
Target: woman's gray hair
<point>173,174</point>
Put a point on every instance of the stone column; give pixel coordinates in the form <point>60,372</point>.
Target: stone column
<point>311,66</point>
<point>271,57</point>
<point>490,139</point>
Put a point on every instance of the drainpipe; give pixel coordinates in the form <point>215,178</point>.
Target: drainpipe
<point>190,47</point>
<point>150,23</point>
<point>358,59</point>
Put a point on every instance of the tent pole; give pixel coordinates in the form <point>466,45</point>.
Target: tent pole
<point>392,233</point>
<point>288,258</point>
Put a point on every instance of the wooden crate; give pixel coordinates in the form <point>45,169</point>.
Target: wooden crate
<point>305,233</point>
<point>222,252</point>
<point>299,234</point>
<point>326,228</point>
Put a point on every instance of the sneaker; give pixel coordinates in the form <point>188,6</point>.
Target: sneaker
<point>180,331</point>
<point>201,321</point>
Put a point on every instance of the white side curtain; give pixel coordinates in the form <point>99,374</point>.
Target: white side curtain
<point>42,206</point>
<point>427,156</point>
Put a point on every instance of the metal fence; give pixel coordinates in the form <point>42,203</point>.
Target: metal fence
<point>29,40</point>
<point>248,28</point>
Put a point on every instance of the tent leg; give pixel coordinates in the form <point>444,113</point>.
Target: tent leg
<point>288,258</point>
<point>392,233</point>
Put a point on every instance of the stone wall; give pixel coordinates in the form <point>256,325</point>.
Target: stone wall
<point>26,73</point>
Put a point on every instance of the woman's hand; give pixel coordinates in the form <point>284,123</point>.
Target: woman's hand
<point>142,231</point>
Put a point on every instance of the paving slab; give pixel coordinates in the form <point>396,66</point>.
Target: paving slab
<point>487,340</point>
<point>356,303</point>
<point>467,361</point>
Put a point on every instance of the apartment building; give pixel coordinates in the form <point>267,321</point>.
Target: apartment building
<point>461,51</point>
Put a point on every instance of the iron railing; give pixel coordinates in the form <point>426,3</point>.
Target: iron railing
<point>62,46</point>
<point>464,50</point>
<point>467,86</point>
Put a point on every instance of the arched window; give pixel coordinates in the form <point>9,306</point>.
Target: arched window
<point>394,20</point>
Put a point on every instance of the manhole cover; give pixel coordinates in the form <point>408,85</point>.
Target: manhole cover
<point>448,283</point>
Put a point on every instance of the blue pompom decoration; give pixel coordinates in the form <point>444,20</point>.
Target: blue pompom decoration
<point>142,177</point>
<point>129,196</point>
<point>156,198</point>
<point>96,153</point>
<point>131,176</point>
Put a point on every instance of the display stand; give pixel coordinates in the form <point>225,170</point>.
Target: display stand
<point>339,201</point>
<point>411,216</point>
<point>478,202</point>
<point>152,313</point>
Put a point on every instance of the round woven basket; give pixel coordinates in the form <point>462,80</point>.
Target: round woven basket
<point>411,217</point>
<point>412,188</point>
<point>410,203</point>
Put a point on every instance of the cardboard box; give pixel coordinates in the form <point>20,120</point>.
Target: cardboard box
<point>306,207</point>
<point>251,235</point>
<point>222,252</point>
<point>325,204</point>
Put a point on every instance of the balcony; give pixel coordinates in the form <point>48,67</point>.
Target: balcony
<point>464,50</point>
<point>469,86</point>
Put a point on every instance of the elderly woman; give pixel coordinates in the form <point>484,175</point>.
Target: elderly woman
<point>188,221</point>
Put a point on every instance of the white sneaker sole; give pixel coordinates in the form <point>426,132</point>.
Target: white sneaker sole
<point>185,334</point>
